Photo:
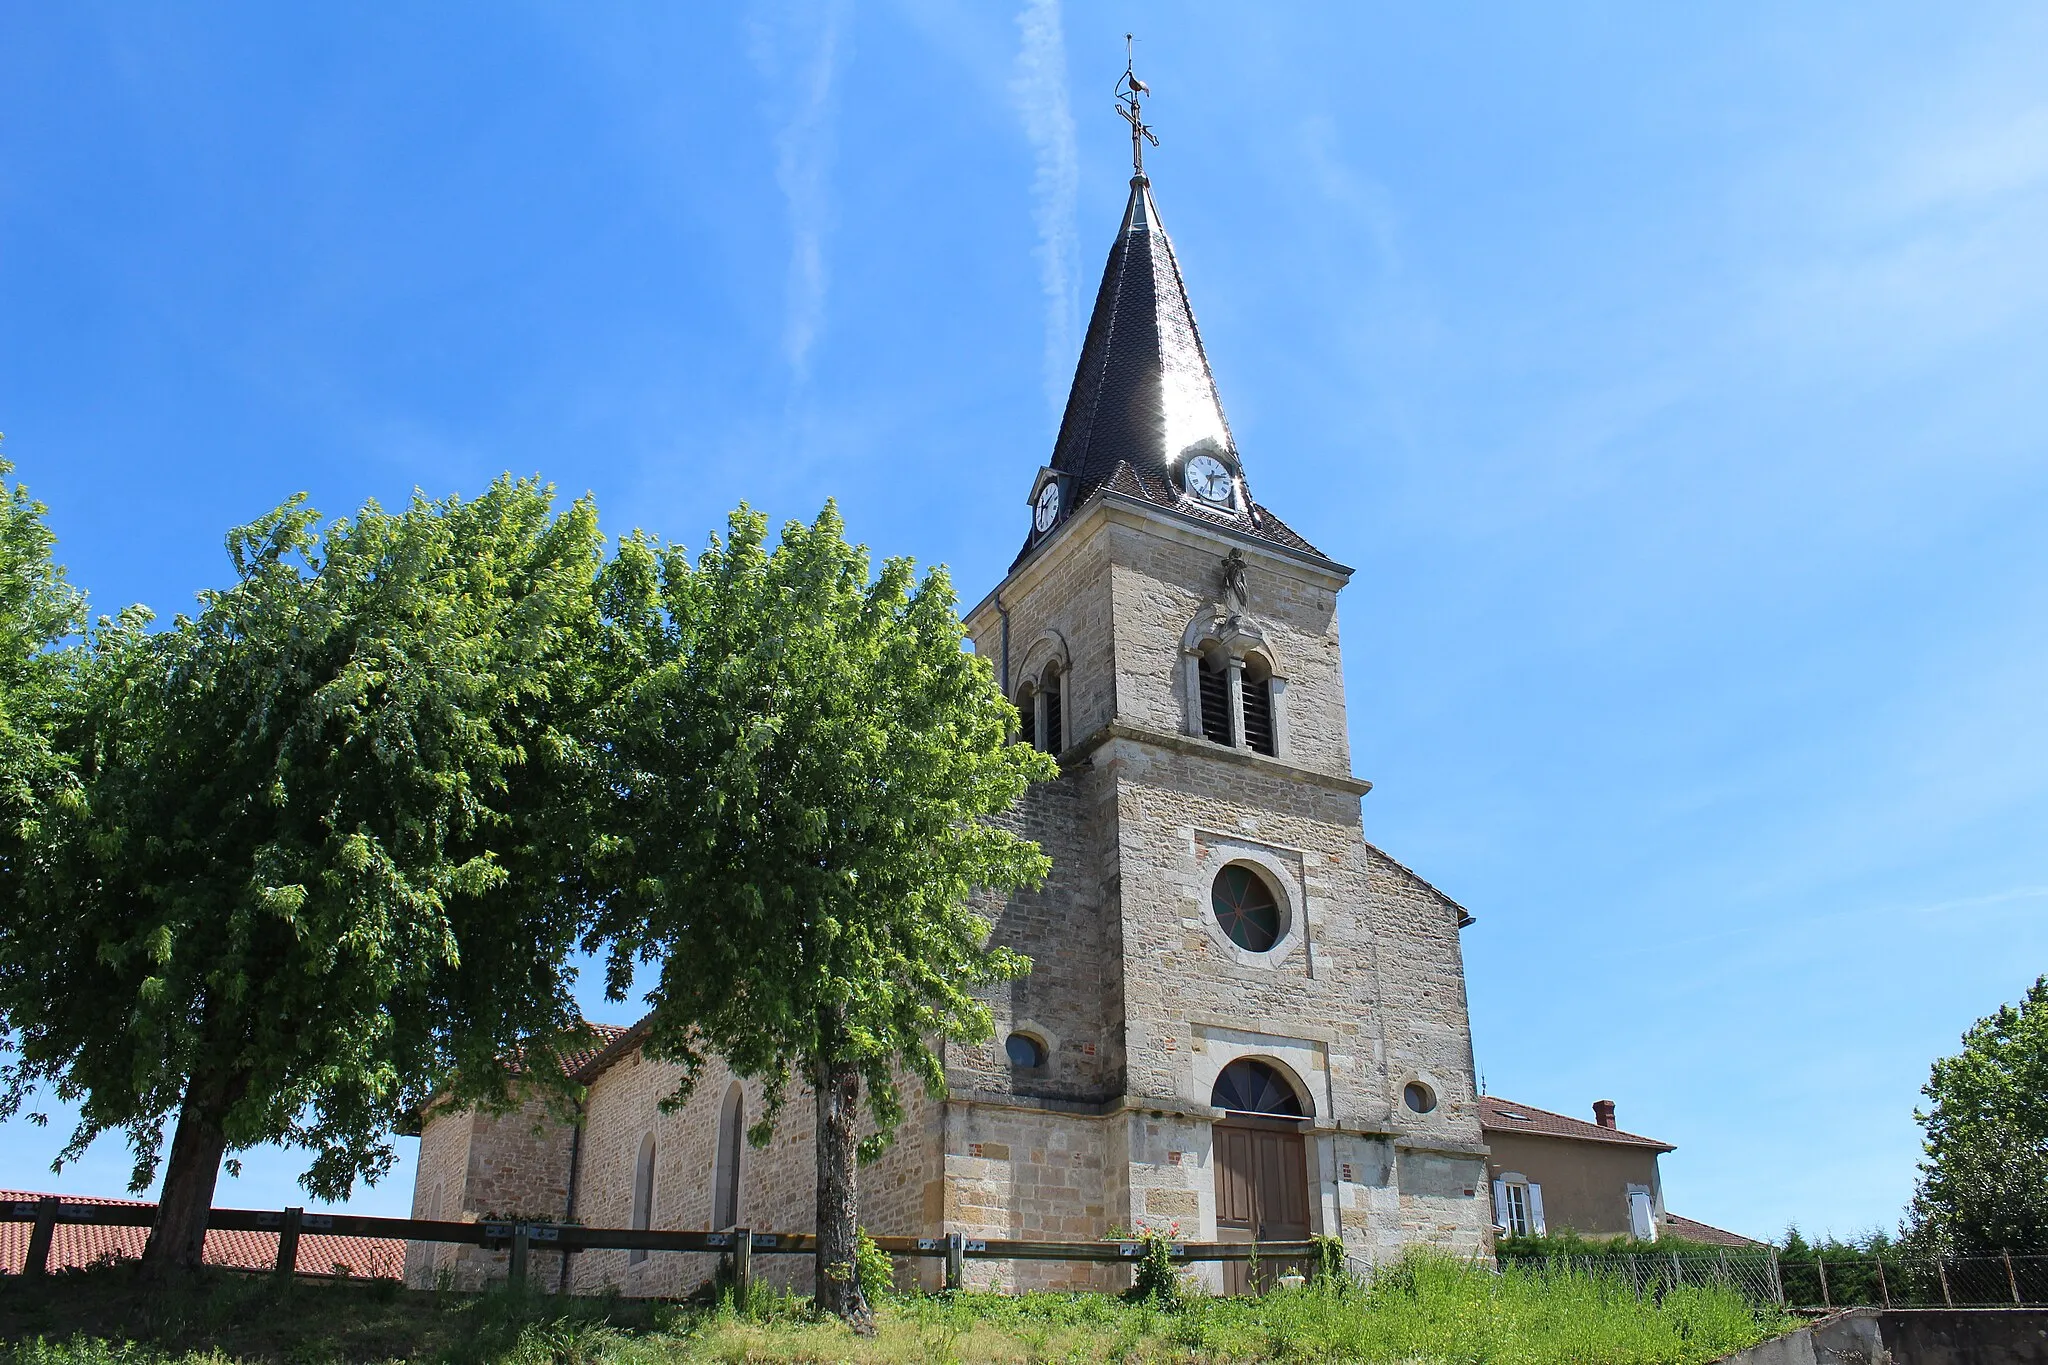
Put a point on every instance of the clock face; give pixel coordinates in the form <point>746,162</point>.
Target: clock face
<point>1208,480</point>
<point>1048,507</point>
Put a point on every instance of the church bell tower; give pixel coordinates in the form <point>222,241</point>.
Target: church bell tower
<point>1244,1022</point>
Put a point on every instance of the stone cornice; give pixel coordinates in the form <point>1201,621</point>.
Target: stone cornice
<point>1118,731</point>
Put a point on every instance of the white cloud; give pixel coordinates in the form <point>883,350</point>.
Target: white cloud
<point>798,48</point>
<point>1040,87</point>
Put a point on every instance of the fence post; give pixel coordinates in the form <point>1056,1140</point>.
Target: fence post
<point>2012,1281</point>
<point>956,1260</point>
<point>1820,1263</point>
<point>1777,1280</point>
<point>1635,1273</point>
<point>1724,1265</point>
<point>515,1274</point>
<point>742,1268</point>
<point>40,1236</point>
<point>1677,1272</point>
<point>1941,1273</point>
<point>288,1244</point>
<point>1884,1290</point>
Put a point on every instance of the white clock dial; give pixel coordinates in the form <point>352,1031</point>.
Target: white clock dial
<point>1048,507</point>
<point>1208,480</point>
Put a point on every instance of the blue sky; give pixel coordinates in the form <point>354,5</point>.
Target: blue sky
<point>1677,383</point>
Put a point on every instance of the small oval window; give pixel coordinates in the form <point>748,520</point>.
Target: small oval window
<point>1420,1097</point>
<point>1024,1051</point>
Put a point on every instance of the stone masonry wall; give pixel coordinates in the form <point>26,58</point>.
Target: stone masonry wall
<point>477,1166</point>
<point>778,1183</point>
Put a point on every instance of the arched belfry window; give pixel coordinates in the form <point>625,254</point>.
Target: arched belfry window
<point>1049,727</point>
<point>1257,687</point>
<point>1248,1086</point>
<point>725,1173</point>
<point>1214,684</point>
<point>1027,715</point>
<point>643,1195</point>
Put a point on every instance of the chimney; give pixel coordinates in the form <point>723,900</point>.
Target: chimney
<point>1603,1113</point>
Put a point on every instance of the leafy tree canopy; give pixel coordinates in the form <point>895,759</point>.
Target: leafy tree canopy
<point>807,763</point>
<point>1984,1184</point>
<point>314,860</point>
<point>39,610</point>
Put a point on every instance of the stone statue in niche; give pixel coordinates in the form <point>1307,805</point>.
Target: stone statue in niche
<point>1236,592</point>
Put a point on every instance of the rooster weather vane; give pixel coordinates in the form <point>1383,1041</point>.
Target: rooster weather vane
<point>1129,89</point>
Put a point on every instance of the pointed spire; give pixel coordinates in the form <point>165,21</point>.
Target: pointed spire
<point>1143,418</point>
<point>1143,393</point>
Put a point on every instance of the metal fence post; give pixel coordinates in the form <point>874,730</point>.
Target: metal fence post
<point>1884,1290</point>
<point>40,1236</point>
<point>2012,1281</point>
<point>288,1243</point>
<point>1777,1280</point>
<point>1677,1272</point>
<point>515,1275</point>
<point>1820,1263</point>
<point>742,1268</point>
<point>1941,1273</point>
<point>956,1260</point>
<point>1635,1273</point>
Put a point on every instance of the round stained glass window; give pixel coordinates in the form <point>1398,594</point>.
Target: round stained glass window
<point>1246,909</point>
<point>1024,1051</point>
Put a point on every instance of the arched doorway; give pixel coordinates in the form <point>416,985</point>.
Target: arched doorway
<point>1261,1164</point>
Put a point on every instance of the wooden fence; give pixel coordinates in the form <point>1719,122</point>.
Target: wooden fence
<point>522,1238</point>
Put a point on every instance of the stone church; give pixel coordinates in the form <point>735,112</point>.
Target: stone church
<point>1244,1021</point>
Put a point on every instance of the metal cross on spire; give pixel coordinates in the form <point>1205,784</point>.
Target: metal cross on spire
<point>1128,91</point>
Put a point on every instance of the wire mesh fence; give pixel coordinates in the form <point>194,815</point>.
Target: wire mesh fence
<point>1834,1280</point>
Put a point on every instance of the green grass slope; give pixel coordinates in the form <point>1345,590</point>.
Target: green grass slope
<point>1426,1310</point>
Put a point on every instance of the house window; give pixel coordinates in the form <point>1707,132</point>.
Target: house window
<point>1518,1206</point>
<point>643,1196</point>
<point>725,1168</point>
<point>1246,908</point>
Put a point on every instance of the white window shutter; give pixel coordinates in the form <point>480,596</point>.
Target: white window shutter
<point>1640,1222</point>
<point>1536,1208</point>
<point>1500,1204</point>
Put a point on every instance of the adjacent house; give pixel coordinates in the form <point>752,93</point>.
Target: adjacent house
<point>1551,1172</point>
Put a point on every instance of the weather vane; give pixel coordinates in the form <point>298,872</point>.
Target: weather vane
<point>1128,90</point>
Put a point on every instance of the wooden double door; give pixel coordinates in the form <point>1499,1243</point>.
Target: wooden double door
<point>1261,1192</point>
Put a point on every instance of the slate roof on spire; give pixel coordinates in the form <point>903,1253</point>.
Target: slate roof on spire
<point>1144,400</point>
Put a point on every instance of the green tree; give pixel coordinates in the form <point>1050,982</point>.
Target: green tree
<point>808,760</point>
<point>317,856</point>
<point>39,610</point>
<point>1984,1184</point>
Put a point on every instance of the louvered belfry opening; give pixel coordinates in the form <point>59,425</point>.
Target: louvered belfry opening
<point>1215,700</point>
<point>1258,713</point>
<point>1054,740</point>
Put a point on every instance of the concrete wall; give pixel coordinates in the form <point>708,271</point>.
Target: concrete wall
<point>1910,1336</point>
<point>1585,1184</point>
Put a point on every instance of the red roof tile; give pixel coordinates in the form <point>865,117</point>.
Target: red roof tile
<point>1497,1115</point>
<point>1674,1226</point>
<point>76,1245</point>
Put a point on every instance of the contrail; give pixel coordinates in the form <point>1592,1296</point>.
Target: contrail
<point>804,144</point>
<point>1041,91</point>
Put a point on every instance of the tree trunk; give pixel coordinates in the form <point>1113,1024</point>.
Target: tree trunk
<point>838,1085</point>
<point>178,1241</point>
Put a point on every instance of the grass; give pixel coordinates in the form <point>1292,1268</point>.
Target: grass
<point>1427,1310</point>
